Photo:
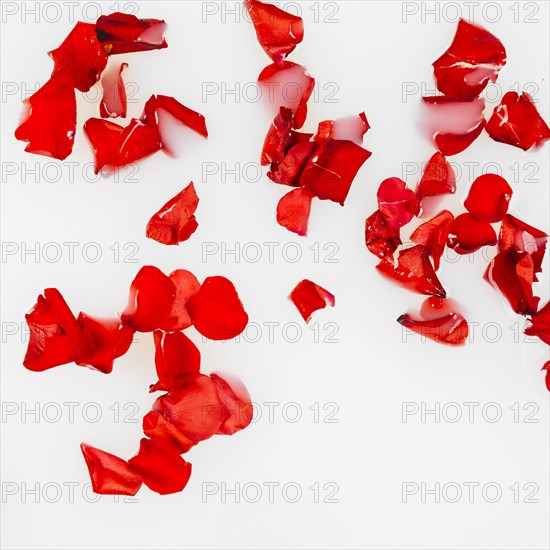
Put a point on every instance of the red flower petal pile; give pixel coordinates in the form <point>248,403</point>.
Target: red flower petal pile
<point>195,406</point>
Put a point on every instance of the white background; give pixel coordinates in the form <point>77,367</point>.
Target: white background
<point>368,52</point>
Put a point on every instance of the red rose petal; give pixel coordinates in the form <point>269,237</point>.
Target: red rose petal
<point>471,61</point>
<point>309,297</point>
<point>293,211</point>
<point>176,357</point>
<point>216,310</point>
<point>160,466</point>
<point>103,340</point>
<point>517,122</point>
<point>236,404</point>
<point>187,285</point>
<point>109,474</point>
<point>55,336</point>
<point>175,221</point>
<point>351,128</point>
<point>80,59</point>
<point>278,137</point>
<point>488,198</point>
<point>468,234</point>
<point>125,33</point>
<point>156,425</point>
<point>396,202</point>
<point>331,170</point>
<point>278,32</point>
<point>49,125</point>
<point>105,138</point>
<point>381,238</point>
<point>150,302</point>
<point>289,170</point>
<point>414,271</point>
<point>539,324</point>
<point>433,235</point>
<point>546,367</point>
<point>438,178</point>
<point>113,103</point>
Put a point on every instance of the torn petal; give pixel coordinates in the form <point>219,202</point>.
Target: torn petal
<point>433,235</point>
<point>380,237</point>
<point>235,402</point>
<point>468,234</point>
<point>488,198</point>
<point>397,203</point>
<point>113,103</point>
<point>156,425</point>
<point>309,297</point>
<point>293,211</point>
<point>438,178</point>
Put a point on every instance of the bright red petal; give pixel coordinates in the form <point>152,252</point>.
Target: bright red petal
<point>468,234</point>
<point>488,198</point>
<point>187,285</point>
<point>293,211</point>
<point>289,170</point>
<point>278,137</point>
<point>113,103</point>
<point>309,297</point>
<point>396,202</point>
<point>236,404</point>
<point>381,238</point>
<point>433,235</point>
<point>351,128</point>
<point>156,425</point>
<point>546,367</point>
<point>539,324</point>
<point>438,178</point>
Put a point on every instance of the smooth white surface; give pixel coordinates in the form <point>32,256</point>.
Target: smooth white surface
<point>367,55</point>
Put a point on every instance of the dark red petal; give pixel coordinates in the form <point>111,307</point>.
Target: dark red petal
<point>433,235</point>
<point>396,202</point>
<point>216,310</point>
<point>109,474</point>
<point>448,327</point>
<point>278,136</point>
<point>187,285</point>
<point>330,172</point>
<point>125,33</point>
<point>472,60</point>
<point>293,210</point>
<point>381,238</point>
<point>49,124</point>
<point>55,336</point>
<point>289,170</point>
<point>156,425</point>
<point>103,340</point>
<point>160,466</point>
<point>488,198</point>
<point>309,297</point>
<point>193,408</point>
<point>150,302</point>
<point>235,402</point>
<point>468,234</point>
<point>175,222</point>
<point>438,178</point>
<point>539,324</point>
<point>176,357</point>
<point>80,59</point>
<point>278,32</point>
<point>351,128</point>
<point>414,271</point>
<point>517,122</point>
<point>113,103</point>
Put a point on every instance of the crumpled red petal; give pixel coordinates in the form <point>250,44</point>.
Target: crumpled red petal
<point>414,271</point>
<point>175,222</point>
<point>290,169</point>
<point>293,211</point>
<point>468,234</point>
<point>539,324</point>
<point>187,285</point>
<point>216,310</point>
<point>471,61</point>
<point>488,198</point>
<point>160,466</point>
<point>433,235</point>
<point>309,297</point>
<point>103,340</point>
<point>438,178</point>
<point>278,32</point>
<point>397,203</point>
<point>125,33</point>
<point>176,357</point>
<point>380,237</point>
<point>152,295</point>
<point>80,59</point>
<point>235,402</point>
<point>445,327</point>
<point>55,335</point>
<point>49,124</point>
<point>113,103</point>
<point>109,474</point>
<point>517,122</point>
<point>156,425</point>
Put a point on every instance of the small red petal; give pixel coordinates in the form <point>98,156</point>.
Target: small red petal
<point>110,475</point>
<point>471,61</point>
<point>236,404</point>
<point>352,128</point>
<point>438,178</point>
<point>468,234</point>
<point>546,367</point>
<point>216,310</point>
<point>176,357</point>
<point>396,202</point>
<point>49,125</point>
<point>488,198</point>
<point>517,122</point>
<point>175,221</point>
<point>187,285</point>
<point>279,137</point>
<point>125,33</point>
<point>289,170</point>
<point>278,32</point>
<point>160,466</point>
<point>433,235</point>
<point>152,295</point>
<point>309,297</point>
<point>156,425</point>
<point>113,103</point>
<point>381,238</point>
<point>293,211</point>
<point>539,324</point>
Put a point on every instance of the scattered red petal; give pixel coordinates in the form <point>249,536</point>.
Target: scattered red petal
<point>438,178</point>
<point>468,234</point>
<point>433,235</point>
<point>278,137</point>
<point>309,297</point>
<point>289,170</point>
<point>187,285</point>
<point>517,122</point>
<point>488,198</point>
<point>396,202</point>
<point>235,402</point>
<point>293,211</point>
<point>546,367</point>
<point>110,475</point>
<point>381,238</point>
<point>113,103</point>
<point>351,128</point>
<point>539,324</point>
<point>156,425</point>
